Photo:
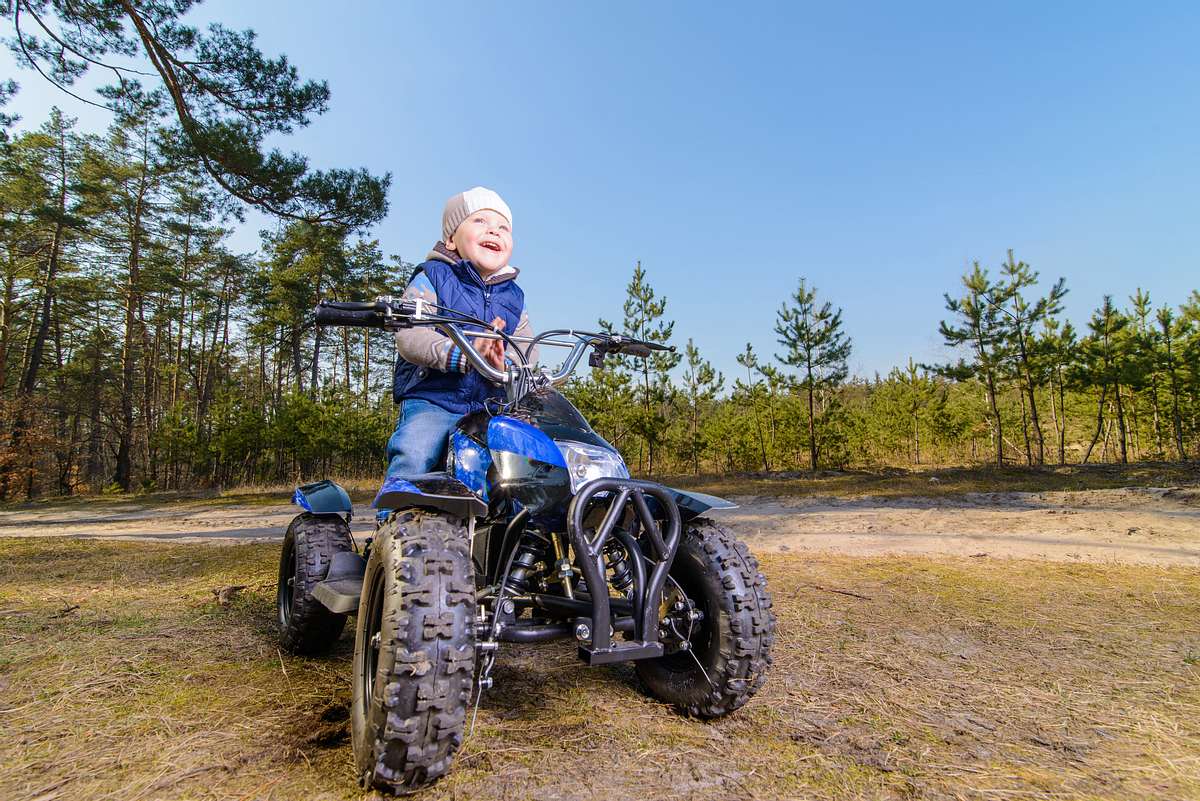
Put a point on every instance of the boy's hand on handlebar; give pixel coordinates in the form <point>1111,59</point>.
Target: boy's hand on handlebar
<point>492,349</point>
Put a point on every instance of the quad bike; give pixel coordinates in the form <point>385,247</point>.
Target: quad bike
<point>535,531</point>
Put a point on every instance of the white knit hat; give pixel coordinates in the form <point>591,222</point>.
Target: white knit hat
<point>464,204</point>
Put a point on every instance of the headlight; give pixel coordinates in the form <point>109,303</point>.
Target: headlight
<point>588,462</point>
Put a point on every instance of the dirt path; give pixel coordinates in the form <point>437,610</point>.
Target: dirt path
<point>184,522</point>
<point>1134,525</point>
<point>1144,525</point>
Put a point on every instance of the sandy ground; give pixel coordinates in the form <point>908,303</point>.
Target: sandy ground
<point>1133,525</point>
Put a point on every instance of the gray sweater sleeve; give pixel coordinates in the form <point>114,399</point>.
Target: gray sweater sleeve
<point>422,345</point>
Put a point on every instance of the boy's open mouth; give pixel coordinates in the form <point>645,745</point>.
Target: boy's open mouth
<point>490,246</point>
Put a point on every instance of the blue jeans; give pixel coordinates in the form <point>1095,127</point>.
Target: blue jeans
<point>418,444</point>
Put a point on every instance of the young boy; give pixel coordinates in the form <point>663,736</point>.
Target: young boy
<point>467,271</point>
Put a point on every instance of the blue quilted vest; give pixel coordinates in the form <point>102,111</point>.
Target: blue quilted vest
<point>459,287</point>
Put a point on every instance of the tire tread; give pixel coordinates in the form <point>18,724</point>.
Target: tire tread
<point>746,604</point>
<point>313,629</point>
<point>427,686</point>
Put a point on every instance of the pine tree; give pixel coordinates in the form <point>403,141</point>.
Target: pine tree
<point>1144,377</point>
<point>7,90</point>
<point>701,384</point>
<point>752,391</point>
<point>1057,351</point>
<point>981,333</point>
<point>816,345</point>
<point>1104,365</point>
<point>1018,326</point>
<point>227,97</point>
<point>1171,332</point>
<point>644,319</point>
<point>907,397</point>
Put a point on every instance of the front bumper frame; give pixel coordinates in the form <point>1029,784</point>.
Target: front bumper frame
<point>628,502</point>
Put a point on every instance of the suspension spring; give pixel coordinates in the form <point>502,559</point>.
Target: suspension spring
<point>618,563</point>
<point>530,550</point>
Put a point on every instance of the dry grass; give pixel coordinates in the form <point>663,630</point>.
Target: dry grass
<point>949,481</point>
<point>935,679</point>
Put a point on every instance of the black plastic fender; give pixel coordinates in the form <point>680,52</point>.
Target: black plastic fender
<point>692,504</point>
<point>323,498</point>
<point>431,490</point>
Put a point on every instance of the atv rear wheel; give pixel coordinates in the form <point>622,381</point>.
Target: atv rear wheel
<point>717,626</point>
<point>414,652</point>
<point>305,625</point>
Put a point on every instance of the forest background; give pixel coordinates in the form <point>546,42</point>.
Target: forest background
<point>139,351</point>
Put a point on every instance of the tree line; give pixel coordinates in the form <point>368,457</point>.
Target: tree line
<point>1025,388</point>
<point>138,351</point>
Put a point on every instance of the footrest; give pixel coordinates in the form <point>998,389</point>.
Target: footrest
<point>342,586</point>
<point>340,597</point>
<point>620,652</point>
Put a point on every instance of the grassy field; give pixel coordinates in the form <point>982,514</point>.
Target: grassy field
<point>122,677</point>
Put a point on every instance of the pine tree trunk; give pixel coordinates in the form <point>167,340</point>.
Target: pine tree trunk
<point>95,466</point>
<point>6,326</point>
<point>1176,420</point>
<point>1062,426</point>
<point>1099,423</point>
<point>366,368</point>
<point>695,436</point>
<point>297,362</point>
<point>1135,430</point>
<point>916,438</point>
<point>1121,423</point>
<point>183,302</point>
<point>649,437</point>
<point>1025,429</point>
<point>1157,420</point>
<point>997,424</point>
<point>64,441</point>
<point>1033,411</point>
<point>123,475</point>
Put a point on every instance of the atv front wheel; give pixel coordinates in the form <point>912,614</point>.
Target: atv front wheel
<point>414,652</point>
<point>305,625</point>
<point>718,627</point>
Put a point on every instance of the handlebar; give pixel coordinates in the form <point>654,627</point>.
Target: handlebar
<point>389,314</point>
<point>358,315</point>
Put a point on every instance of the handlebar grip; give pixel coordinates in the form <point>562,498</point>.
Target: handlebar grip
<point>359,315</point>
<point>352,305</point>
<point>640,349</point>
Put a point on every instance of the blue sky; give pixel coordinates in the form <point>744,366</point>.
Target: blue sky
<point>874,149</point>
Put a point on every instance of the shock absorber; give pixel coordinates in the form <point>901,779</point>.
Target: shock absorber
<point>618,563</point>
<point>530,550</point>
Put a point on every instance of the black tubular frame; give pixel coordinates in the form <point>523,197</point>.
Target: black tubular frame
<point>589,553</point>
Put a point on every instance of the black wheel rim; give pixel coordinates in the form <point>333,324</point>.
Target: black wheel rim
<point>287,583</point>
<point>701,641</point>
<point>368,663</point>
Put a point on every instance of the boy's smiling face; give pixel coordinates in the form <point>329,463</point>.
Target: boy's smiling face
<point>485,240</point>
